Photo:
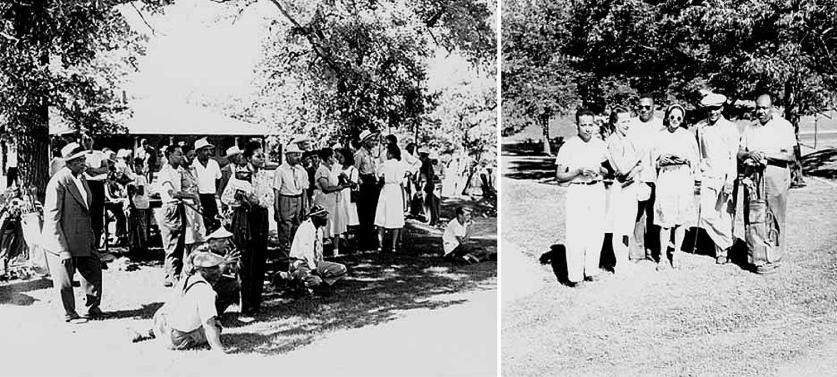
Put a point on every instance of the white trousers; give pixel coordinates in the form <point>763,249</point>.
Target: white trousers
<point>585,209</point>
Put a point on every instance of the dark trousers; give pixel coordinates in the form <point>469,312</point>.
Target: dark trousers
<point>121,220</point>
<point>250,227</point>
<point>227,290</point>
<point>97,208</point>
<point>432,205</point>
<point>464,249</point>
<point>11,177</point>
<point>367,203</point>
<point>210,210</point>
<point>646,235</point>
<point>90,269</point>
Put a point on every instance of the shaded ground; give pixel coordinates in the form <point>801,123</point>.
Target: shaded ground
<point>702,320</point>
<point>403,292</point>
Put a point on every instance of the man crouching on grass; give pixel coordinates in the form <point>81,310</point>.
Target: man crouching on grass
<point>457,239</point>
<point>189,319</point>
<point>307,264</point>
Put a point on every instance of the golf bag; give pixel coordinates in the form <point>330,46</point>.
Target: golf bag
<point>761,231</point>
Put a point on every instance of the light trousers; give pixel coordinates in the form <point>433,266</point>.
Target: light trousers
<point>585,218</point>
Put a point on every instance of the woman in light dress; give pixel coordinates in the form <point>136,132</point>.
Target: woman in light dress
<point>351,177</point>
<point>675,156</point>
<point>328,193</point>
<point>389,215</point>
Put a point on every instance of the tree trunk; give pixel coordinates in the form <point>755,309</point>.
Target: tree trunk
<point>544,121</point>
<point>793,116</point>
<point>33,151</point>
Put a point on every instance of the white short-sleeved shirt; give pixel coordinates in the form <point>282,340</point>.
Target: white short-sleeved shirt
<point>576,154</point>
<point>12,157</point>
<point>452,230</point>
<point>141,201</point>
<point>169,179</point>
<point>93,159</point>
<point>772,137</point>
<point>307,244</point>
<point>190,311</point>
<point>207,176</point>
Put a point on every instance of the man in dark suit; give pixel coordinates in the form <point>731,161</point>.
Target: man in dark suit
<point>68,235</point>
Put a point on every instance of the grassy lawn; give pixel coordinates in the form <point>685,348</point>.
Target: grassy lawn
<point>701,320</point>
<point>379,290</point>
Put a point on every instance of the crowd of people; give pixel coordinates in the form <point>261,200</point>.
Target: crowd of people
<point>214,221</point>
<point>645,180</point>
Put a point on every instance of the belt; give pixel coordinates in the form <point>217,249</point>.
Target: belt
<point>781,164</point>
<point>585,183</point>
<point>291,196</point>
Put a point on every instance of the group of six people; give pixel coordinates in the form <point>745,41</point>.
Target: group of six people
<point>637,178</point>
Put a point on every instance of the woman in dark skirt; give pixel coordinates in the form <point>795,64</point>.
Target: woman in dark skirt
<point>250,194</point>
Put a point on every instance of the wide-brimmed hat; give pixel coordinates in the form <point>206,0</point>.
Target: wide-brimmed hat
<point>233,150</point>
<point>317,211</point>
<point>713,100</point>
<point>220,233</point>
<point>202,143</point>
<point>204,259</point>
<point>292,148</point>
<point>301,139</point>
<point>365,134</point>
<point>72,151</point>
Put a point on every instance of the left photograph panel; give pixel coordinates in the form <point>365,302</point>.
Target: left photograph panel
<point>240,187</point>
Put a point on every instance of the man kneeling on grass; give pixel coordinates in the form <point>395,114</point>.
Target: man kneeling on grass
<point>189,319</point>
<point>457,239</point>
<point>307,264</point>
<point>227,287</point>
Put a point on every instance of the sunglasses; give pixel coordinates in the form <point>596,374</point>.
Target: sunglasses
<point>645,107</point>
<point>677,118</point>
<point>713,108</point>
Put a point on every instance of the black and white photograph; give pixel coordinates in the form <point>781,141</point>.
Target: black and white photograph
<point>249,188</point>
<point>666,184</point>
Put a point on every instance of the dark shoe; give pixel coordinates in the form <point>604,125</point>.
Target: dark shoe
<point>94,313</point>
<point>74,319</point>
<point>168,284</point>
<point>766,269</point>
<point>592,278</point>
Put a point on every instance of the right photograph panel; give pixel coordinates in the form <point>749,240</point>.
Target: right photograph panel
<point>667,175</point>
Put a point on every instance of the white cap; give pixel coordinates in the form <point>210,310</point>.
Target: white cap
<point>713,99</point>
<point>220,233</point>
<point>233,150</point>
<point>292,148</point>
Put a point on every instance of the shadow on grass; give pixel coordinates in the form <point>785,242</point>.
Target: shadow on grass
<point>537,169</point>
<point>822,163</point>
<point>13,293</point>
<point>378,288</point>
<point>145,312</point>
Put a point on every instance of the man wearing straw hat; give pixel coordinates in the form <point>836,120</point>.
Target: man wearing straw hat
<point>209,175</point>
<point>718,146</point>
<point>68,235</point>
<point>290,180</point>
<point>234,158</point>
<point>366,160</point>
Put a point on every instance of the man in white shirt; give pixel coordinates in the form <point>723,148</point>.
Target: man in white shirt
<point>456,240</point>
<point>209,176</point>
<point>96,173</point>
<point>190,318</point>
<point>11,164</point>
<point>290,180</point>
<point>766,151</point>
<point>172,216</point>
<point>579,165</point>
<point>307,263</point>
<point>643,131</point>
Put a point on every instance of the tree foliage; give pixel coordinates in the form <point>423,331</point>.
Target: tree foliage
<point>334,68</point>
<point>674,49</point>
<point>50,57</point>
